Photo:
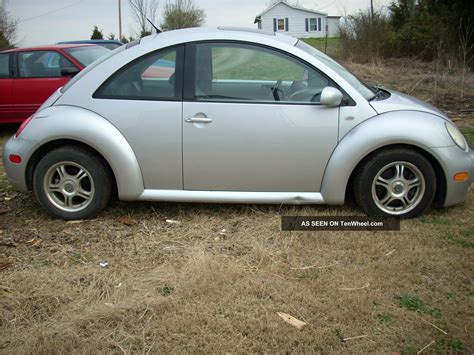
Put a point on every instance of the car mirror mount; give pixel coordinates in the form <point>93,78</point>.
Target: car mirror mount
<point>71,71</point>
<point>330,96</point>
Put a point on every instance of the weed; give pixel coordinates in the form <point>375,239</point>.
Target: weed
<point>469,134</point>
<point>454,345</point>
<point>415,304</point>
<point>339,335</point>
<point>385,317</point>
<point>433,219</point>
<point>410,350</point>
<point>220,313</point>
<point>411,303</point>
<point>462,238</point>
<point>78,258</point>
<point>166,290</point>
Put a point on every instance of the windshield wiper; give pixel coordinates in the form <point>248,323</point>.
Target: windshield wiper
<point>377,95</point>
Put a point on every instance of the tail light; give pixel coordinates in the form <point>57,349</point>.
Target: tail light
<point>23,125</point>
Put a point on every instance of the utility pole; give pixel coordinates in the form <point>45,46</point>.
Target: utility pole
<point>120,19</point>
<point>372,10</point>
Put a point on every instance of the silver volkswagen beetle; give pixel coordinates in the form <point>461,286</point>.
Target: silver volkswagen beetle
<point>235,115</point>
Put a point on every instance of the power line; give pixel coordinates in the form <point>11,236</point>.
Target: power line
<point>50,12</point>
<point>326,5</point>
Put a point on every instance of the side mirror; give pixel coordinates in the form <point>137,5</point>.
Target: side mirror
<point>331,97</point>
<point>69,71</point>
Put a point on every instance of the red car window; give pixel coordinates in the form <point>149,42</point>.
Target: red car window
<point>4,65</point>
<point>42,64</point>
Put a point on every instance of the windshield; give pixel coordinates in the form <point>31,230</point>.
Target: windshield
<point>87,55</point>
<point>363,89</point>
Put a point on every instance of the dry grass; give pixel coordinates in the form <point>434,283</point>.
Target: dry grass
<point>189,287</point>
<point>440,86</point>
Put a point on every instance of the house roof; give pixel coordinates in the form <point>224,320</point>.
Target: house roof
<point>257,18</point>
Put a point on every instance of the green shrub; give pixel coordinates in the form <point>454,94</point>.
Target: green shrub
<point>363,38</point>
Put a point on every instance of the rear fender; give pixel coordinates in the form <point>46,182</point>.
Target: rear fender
<point>74,123</point>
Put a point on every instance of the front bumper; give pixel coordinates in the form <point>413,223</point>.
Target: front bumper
<point>16,173</point>
<point>454,160</point>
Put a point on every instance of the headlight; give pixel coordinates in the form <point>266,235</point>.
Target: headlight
<point>457,136</point>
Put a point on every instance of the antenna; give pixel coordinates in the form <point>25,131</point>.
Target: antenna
<point>156,28</point>
<point>140,11</point>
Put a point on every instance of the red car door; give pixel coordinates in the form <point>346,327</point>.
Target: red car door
<point>39,75</point>
<point>7,109</point>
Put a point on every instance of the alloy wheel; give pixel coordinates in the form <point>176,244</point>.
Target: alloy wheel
<point>69,186</point>
<point>398,188</point>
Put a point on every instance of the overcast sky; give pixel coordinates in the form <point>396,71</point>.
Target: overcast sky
<point>51,21</point>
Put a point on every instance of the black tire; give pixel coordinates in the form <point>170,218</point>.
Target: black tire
<point>374,164</point>
<point>98,176</point>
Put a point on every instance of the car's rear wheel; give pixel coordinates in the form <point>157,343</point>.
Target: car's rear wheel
<point>72,183</point>
<point>396,182</point>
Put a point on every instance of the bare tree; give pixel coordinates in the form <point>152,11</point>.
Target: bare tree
<point>8,28</point>
<point>466,34</point>
<point>182,14</point>
<point>141,10</point>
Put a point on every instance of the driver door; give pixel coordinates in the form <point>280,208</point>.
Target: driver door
<point>252,121</point>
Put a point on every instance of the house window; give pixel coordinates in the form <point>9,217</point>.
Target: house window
<point>281,24</point>
<point>313,24</point>
<point>319,24</point>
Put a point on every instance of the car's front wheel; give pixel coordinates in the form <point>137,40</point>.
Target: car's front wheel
<point>72,183</point>
<point>396,182</point>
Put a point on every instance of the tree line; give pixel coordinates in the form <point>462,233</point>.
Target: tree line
<point>176,14</point>
<point>425,29</point>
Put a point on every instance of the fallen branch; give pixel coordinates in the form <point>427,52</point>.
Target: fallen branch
<point>434,326</point>
<point>390,252</point>
<point>314,266</point>
<point>4,265</point>
<point>357,337</point>
<point>354,289</point>
<point>292,320</point>
<point>426,347</point>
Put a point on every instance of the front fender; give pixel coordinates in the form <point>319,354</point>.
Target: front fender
<point>70,122</point>
<point>416,128</point>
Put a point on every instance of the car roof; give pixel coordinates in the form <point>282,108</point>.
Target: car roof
<point>91,41</point>
<point>222,33</point>
<point>47,47</point>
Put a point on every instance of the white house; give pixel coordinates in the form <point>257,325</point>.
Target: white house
<point>297,21</point>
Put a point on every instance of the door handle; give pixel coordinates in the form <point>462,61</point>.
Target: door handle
<point>199,120</point>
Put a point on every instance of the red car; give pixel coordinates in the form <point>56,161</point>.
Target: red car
<point>28,76</point>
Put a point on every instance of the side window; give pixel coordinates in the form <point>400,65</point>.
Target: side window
<point>42,64</point>
<point>241,72</point>
<point>4,65</point>
<point>151,77</point>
